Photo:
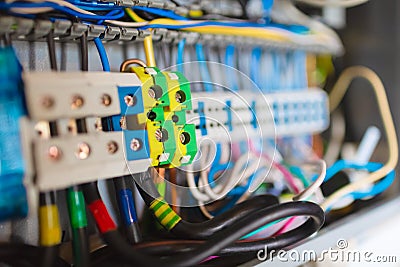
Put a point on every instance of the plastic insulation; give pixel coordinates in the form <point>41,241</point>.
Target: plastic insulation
<point>133,15</point>
<point>204,71</point>
<point>103,219</point>
<point>102,53</point>
<point>47,6</point>
<point>229,60</point>
<point>77,208</point>
<point>124,188</point>
<point>77,214</point>
<point>149,51</point>
<point>335,97</point>
<point>180,54</point>
<point>50,229</point>
<point>160,12</point>
<point>52,50</point>
<point>227,236</point>
<point>255,66</point>
<point>84,52</point>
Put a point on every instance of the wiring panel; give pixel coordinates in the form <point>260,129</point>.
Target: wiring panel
<point>195,133</point>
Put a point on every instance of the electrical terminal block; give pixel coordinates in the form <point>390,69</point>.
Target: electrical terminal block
<point>147,118</point>
<point>165,97</point>
<point>223,116</point>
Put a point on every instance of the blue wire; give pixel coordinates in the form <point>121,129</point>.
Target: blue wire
<point>160,12</point>
<point>216,166</point>
<point>293,28</point>
<point>60,8</point>
<point>127,207</point>
<point>112,12</point>
<point>378,188</point>
<point>181,52</point>
<point>94,5</point>
<point>102,53</point>
<point>229,60</point>
<point>205,74</point>
<point>267,5</point>
<point>255,66</point>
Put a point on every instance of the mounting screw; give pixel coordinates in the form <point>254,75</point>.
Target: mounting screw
<point>130,100</point>
<point>155,91</point>
<point>135,144</point>
<point>184,138</point>
<point>180,96</point>
<point>112,147</point>
<point>77,102</point>
<point>83,151</point>
<point>158,135</point>
<point>54,153</point>
<point>106,100</point>
<point>47,102</point>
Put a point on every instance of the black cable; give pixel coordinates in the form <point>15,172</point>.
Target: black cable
<point>52,50</point>
<point>81,248</point>
<point>26,255</point>
<point>243,5</point>
<point>84,52</point>
<point>175,2</point>
<point>204,230</point>
<point>124,188</point>
<point>6,39</point>
<point>225,237</point>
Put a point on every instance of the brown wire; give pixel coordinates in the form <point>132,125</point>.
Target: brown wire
<point>131,61</point>
<point>174,193</point>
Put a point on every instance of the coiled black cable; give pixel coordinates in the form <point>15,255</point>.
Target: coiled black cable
<point>204,230</point>
<point>223,238</point>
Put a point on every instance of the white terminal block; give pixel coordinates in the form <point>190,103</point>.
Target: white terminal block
<point>56,95</point>
<point>71,160</point>
<point>232,116</point>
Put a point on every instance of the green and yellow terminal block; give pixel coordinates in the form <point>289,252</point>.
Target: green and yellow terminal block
<point>153,118</point>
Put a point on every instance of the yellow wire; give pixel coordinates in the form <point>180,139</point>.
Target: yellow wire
<point>335,97</point>
<point>133,15</point>
<point>149,51</point>
<point>49,223</point>
<point>226,30</point>
<point>253,32</point>
<point>148,41</point>
<point>222,30</point>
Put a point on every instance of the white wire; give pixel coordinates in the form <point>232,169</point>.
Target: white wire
<point>338,132</point>
<point>285,12</point>
<point>73,7</point>
<point>336,3</point>
<point>315,186</point>
<point>237,175</point>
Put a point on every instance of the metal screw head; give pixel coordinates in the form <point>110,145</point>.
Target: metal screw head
<point>180,96</point>
<point>77,102</point>
<point>152,93</point>
<point>122,122</point>
<point>47,102</point>
<point>54,153</point>
<point>155,91</point>
<point>106,100</point>
<point>135,144</point>
<point>130,100</point>
<point>83,151</point>
<point>159,135</point>
<point>184,138</point>
<point>112,147</point>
